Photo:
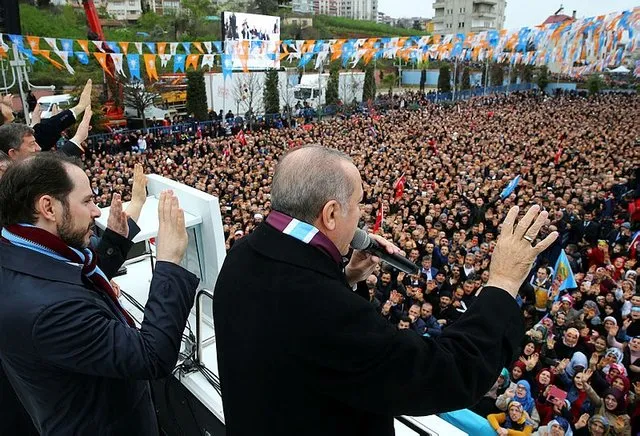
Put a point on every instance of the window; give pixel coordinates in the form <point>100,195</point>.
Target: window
<point>462,10</point>
<point>461,25</point>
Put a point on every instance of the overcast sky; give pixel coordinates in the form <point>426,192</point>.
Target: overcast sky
<point>520,13</point>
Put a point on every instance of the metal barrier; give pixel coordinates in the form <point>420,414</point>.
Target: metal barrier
<point>200,342</point>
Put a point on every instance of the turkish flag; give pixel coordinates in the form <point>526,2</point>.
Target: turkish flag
<point>399,187</point>
<point>240,137</point>
<point>379,218</point>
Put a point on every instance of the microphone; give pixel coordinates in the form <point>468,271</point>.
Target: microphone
<point>362,241</point>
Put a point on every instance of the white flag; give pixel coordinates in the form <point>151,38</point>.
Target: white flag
<point>117,59</point>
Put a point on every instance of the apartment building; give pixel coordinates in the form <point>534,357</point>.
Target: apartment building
<point>462,16</point>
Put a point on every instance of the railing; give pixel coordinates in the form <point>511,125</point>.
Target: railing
<point>200,342</point>
<point>307,115</point>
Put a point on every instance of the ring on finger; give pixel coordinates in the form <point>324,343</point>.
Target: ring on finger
<point>528,238</point>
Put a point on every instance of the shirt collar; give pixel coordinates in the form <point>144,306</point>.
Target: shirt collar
<point>304,232</point>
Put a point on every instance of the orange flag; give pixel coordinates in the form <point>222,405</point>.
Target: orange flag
<point>47,56</point>
<point>34,43</point>
<point>150,63</point>
<point>192,60</point>
<point>3,52</point>
<point>198,46</point>
<point>102,60</point>
<point>84,44</point>
<point>161,47</point>
<point>124,45</point>
<point>244,55</point>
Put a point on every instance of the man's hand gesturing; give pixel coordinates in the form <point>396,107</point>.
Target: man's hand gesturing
<point>515,253</point>
<point>172,234</point>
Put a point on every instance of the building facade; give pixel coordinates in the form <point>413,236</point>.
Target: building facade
<point>127,10</point>
<point>302,6</point>
<point>463,16</point>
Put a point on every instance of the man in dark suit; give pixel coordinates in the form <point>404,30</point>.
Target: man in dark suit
<point>69,350</point>
<point>588,229</point>
<point>348,372</point>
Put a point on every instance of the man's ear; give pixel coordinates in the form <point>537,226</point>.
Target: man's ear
<point>13,153</point>
<point>45,208</point>
<point>329,214</point>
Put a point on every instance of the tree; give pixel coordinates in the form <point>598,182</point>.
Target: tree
<point>496,74</point>
<point>248,91</point>
<point>417,25</point>
<point>271,95</point>
<point>138,97</point>
<point>369,91</point>
<point>594,84</point>
<point>389,80</point>
<point>265,7</point>
<point>543,77</point>
<point>444,79</point>
<point>196,95</point>
<point>43,4</point>
<point>332,95</point>
<point>466,79</point>
<point>526,74</point>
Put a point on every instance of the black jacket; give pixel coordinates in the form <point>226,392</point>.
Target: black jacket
<point>48,131</point>
<point>74,365</point>
<point>300,353</point>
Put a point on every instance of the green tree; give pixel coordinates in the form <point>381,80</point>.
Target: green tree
<point>496,74</point>
<point>526,74</point>
<point>594,84</point>
<point>369,91</point>
<point>332,95</point>
<point>543,77</point>
<point>444,79</point>
<point>196,95</point>
<point>265,7</point>
<point>466,79</point>
<point>271,95</point>
<point>389,80</point>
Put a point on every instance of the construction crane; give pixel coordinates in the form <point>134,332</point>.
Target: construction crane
<point>113,111</point>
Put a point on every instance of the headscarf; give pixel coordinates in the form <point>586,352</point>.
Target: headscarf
<point>522,366</point>
<point>612,351</point>
<point>562,423</point>
<point>593,305</point>
<point>610,318</point>
<point>619,396</point>
<point>578,359</point>
<point>602,420</point>
<point>527,401</point>
<point>621,371</point>
<point>625,381</point>
<point>508,422</point>
<point>551,378</point>
<point>507,378</point>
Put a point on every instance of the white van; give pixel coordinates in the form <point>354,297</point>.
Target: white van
<point>62,101</point>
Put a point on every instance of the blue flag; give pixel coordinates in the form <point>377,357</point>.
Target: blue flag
<point>133,60</point>
<point>67,45</point>
<point>227,65</point>
<point>82,57</point>
<point>510,187</point>
<point>178,63</point>
<point>564,274</point>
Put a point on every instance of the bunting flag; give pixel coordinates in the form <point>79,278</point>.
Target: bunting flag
<point>207,61</point>
<point>178,63</point>
<point>207,45</point>
<point>52,43</point>
<point>161,48</point>
<point>118,62</point>
<point>47,55</point>
<point>82,57</point>
<point>198,47</point>
<point>244,55</point>
<point>98,45</point>
<point>151,46</point>
<point>227,65</point>
<point>102,60</point>
<point>218,46</point>
<point>124,46</point>
<point>84,44</point>
<point>133,62</point>
<point>164,60</point>
<point>64,55</point>
<point>34,43</point>
<point>67,45</point>
<point>173,47</point>
<point>150,64</point>
<point>138,47</point>
<point>192,61</point>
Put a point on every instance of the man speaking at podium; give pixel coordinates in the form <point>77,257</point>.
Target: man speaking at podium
<point>300,353</point>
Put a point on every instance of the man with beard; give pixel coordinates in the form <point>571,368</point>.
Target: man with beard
<point>71,352</point>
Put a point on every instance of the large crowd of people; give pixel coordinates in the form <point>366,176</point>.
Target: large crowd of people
<point>433,180</point>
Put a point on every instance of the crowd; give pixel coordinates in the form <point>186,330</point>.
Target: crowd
<point>433,178</point>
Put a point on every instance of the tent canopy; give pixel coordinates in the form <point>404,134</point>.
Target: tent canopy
<point>620,70</point>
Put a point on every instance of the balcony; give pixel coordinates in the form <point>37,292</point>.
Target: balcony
<point>438,4</point>
<point>484,15</point>
<point>485,2</point>
<point>438,19</point>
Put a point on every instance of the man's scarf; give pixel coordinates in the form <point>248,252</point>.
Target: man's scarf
<point>43,242</point>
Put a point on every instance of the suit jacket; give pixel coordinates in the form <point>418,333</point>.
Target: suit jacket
<point>300,353</point>
<point>48,131</point>
<point>75,367</point>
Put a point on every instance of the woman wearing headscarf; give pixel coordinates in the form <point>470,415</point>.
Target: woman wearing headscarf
<point>521,394</point>
<point>597,425</point>
<point>546,408</point>
<point>631,359</point>
<point>578,363</point>
<point>513,423</point>
<point>612,406</point>
<point>578,398</point>
<point>556,427</point>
